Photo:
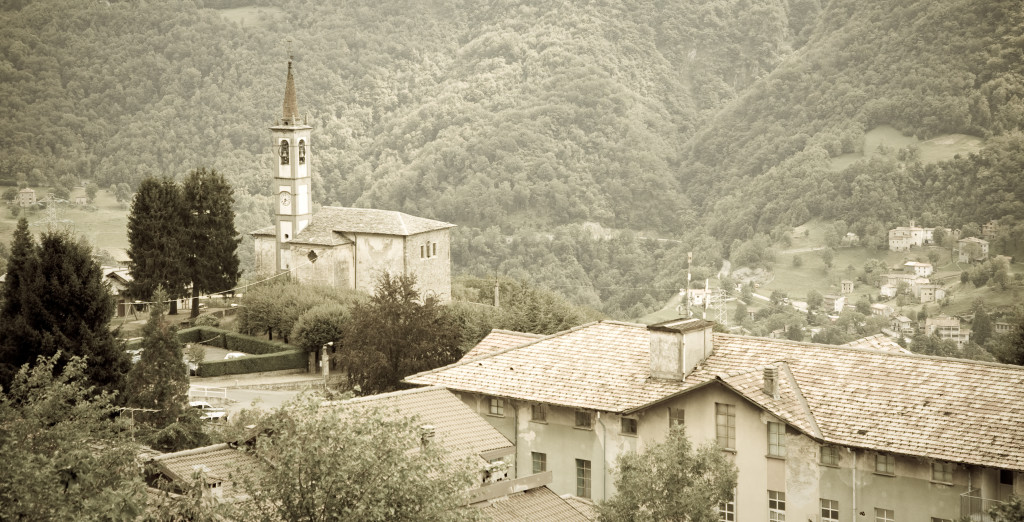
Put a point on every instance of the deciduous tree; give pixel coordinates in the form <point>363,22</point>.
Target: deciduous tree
<point>671,480</point>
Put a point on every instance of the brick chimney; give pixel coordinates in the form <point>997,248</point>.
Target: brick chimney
<point>678,346</point>
<point>771,381</point>
<point>427,435</point>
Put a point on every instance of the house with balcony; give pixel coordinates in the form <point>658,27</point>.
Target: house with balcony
<point>972,250</point>
<point>921,269</point>
<point>818,432</point>
<point>946,327</point>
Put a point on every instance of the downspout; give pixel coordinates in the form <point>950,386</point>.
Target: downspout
<point>515,438</point>
<point>604,458</point>
<point>854,484</point>
<point>355,262</point>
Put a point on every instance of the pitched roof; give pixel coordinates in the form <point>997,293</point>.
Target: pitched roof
<point>459,429</point>
<point>330,224</point>
<point>934,407</point>
<point>537,504</point>
<point>878,342</point>
<point>218,463</point>
<point>290,106</point>
<point>499,340</point>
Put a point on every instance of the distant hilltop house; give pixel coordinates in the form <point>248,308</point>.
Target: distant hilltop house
<point>921,269</point>
<point>882,310</point>
<point>930,293</point>
<point>78,196</point>
<point>888,290</point>
<point>834,303</point>
<point>339,246</point>
<point>972,250</point>
<point>990,229</point>
<point>902,238</point>
<point>846,287</point>
<point>26,197</point>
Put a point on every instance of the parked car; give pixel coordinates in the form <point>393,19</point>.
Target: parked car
<point>209,412</point>
<point>234,355</point>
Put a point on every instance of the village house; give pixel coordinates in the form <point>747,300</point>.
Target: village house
<point>887,290</point>
<point>833,303</point>
<point>78,196</point>
<point>26,197</point>
<point>902,238</point>
<point>921,269</point>
<point>846,287</point>
<point>946,327</point>
<point>882,310</point>
<point>930,293</point>
<point>1000,328</point>
<point>339,246</point>
<point>990,229</point>
<point>972,249</point>
<point>878,342</point>
<point>903,325</point>
<point>818,432</point>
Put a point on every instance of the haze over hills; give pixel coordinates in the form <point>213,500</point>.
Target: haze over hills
<point>702,122</point>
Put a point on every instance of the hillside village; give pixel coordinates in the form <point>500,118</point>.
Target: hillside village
<point>386,347</point>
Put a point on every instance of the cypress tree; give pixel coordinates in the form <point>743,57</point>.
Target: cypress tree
<point>160,379</point>
<point>211,236</point>
<point>16,338</point>
<point>156,226</point>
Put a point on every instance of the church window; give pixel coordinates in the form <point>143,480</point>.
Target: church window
<point>302,152</point>
<point>434,245</point>
<point>422,255</point>
<point>284,152</point>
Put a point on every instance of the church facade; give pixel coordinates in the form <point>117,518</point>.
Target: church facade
<point>341,246</point>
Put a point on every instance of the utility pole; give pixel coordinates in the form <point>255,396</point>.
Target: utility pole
<point>686,295</point>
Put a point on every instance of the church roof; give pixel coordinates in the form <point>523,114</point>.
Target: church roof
<point>330,221</point>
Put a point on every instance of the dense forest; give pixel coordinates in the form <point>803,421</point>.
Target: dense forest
<point>672,126</point>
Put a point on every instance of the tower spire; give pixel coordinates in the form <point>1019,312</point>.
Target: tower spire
<point>291,107</point>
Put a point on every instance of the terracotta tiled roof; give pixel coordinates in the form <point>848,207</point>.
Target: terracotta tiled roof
<point>328,226</point>
<point>534,505</point>
<point>948,409</point>
<point>265,231</point>
<point>878,342</point>
<point>459,429</point>
<point>499,340</point>
<point>218,463</point>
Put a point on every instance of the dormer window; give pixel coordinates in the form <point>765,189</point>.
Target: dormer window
<point>284,152</point>
<point>302,152</point>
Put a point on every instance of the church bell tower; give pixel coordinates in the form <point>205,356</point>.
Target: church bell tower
<point>291,175</point>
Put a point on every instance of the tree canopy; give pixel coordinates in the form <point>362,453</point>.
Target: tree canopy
<point>671,480</point>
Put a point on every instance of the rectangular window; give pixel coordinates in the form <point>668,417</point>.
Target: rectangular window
<point>583,419</point>
<point>727,509</point>
<point>538,413</point>
<point>776,506</point>
<point>884,515</point>
<point>885,464</point>
<point>676,417</point>
<point>434,246</point>
<point>829,510</point>
<point>776,439</point>
<point>582,478</point>
<point>497,407</point>
<point>421,252</point>
<point>1006,477</point>
<point>540,462</point>
<point>942,472</point>
<point>628,426</point>
<point>725,425</point>
<point>830,455</point>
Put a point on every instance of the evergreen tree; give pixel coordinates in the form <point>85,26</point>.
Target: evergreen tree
<point>211,237</point>
<point>157,251</point>
<point>17,339</point>
<point>55,301</point>
<point>981,327</point>
<point>160,379</point>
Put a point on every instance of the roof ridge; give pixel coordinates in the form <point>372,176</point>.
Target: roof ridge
<point>878,352</point>
<point>462,362</point>
<point>801,399</point>
<point>193,451</point>
<point>514,332</point>
<point>388,395</point>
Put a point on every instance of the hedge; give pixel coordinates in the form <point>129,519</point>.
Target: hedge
<point>231,341</point>
<point>289,360</point>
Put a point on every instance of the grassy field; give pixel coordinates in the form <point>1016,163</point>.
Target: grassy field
<point>104,228</point>
<point>937,149</point>
<point>251,16</point>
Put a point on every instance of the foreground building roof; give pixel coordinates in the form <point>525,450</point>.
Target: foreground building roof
<point>499,340</point>
<point>462,432</point>
<point>534,505</point>
<point>948,409</point>
<point>223,466</point>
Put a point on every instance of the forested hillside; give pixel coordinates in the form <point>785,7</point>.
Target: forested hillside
<point>701,122</point>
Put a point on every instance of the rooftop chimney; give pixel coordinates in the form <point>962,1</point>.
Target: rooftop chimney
<point>678,346</point>
<point>771,381</point>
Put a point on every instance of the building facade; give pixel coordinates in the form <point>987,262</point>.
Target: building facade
<point>817,432</point>
<point>972,249</point>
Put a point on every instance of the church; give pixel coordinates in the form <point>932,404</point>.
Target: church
<point>340,246</point>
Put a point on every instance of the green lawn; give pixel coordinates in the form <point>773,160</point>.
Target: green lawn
<point>105,227</point>
<point>940,148</point>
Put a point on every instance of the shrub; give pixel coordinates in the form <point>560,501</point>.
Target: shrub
<point>289,360</point>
